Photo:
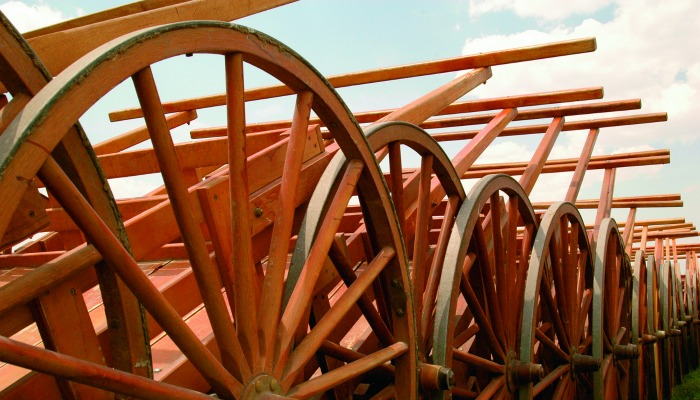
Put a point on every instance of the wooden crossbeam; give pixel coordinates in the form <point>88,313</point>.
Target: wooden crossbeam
<point>462,63</point>
<point>569,126</point>
<point>539,113</point>
<point>59,47</point>
<point>568,165</point>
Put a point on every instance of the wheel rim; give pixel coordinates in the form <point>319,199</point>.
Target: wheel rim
<point>644,372</point>
<point>480,274</point>
<point>613,276</point>
<point>91,77</point>
<point>655,321</point>
<point>564,352</point>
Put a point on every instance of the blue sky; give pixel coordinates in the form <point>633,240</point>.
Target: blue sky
<point>646,49</point>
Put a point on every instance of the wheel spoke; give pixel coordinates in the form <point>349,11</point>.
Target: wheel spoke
<point>273,287</point>
<point>313,340</point>
<point>364,302</point>
<point>478,362</point>
<point>247,284</point>
<point>501,292</point>
<point>481,319</point>
<point>558,280</point>
<point>550,303</point>
<point>193,238</point>
<point>90,374</point>
<point>547,342</point>
<point>550,378</point>
<point>109,246</point>
<point>347,372</point>
<point>303,290</point>
<point>420,240</point>
<point>396,170</point>
<point>436,268</point>
<point>487,274</point>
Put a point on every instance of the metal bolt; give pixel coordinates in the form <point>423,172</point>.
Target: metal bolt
<point>259,386</point>
<point>275,386</point>
<point>72,292</point>
<point>258,212</point>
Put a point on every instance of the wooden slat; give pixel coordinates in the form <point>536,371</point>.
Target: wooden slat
<point>481,60</point>
<point>569,126</point>
<point>59,49</point>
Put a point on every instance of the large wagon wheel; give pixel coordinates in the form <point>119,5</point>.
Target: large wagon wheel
<point>418,201</point>
<point>477,315</point>
<point>645,375</point>
<point>691,301</point>
<point>251,366</point>
<point>683,320</point>
<point>669,357</point>
<point>612,332</point>
<point>558,314</point>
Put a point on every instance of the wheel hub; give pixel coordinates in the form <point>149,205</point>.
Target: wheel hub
<point>262,387</point>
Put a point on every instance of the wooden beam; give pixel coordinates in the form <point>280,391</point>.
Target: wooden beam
<point>60,48</point>
<point>455,108</point>
<point>462,63</point>
<point>569,165</point>
<point>569,126</point>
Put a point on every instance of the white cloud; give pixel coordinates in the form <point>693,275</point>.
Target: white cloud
<point>27,17</point>
<point>637,57</point>
<point>544,9</point>
<point>505,152</point>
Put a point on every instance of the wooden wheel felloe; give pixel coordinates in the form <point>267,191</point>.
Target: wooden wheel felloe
<point>645,372</point>
<point>271,350</point>
<point>612,330</point>
<point>477,314</point>
<point>558,315</point>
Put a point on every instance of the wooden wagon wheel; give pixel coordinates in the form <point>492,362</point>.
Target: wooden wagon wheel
<point>683,319</point>
<point>669,357</point>
<point>612,332</point>
<point>691,301</point>
<point>560,285</point>
<point>251,366</point>
<point>645,374</point>
<point>477,314</point>
<point>416,201</point>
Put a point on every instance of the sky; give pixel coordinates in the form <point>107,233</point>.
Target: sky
<point>646,49</point>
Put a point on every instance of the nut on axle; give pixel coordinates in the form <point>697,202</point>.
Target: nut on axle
<point>584,363</point>
<point>435,377</point>
<point>521,372</point>
<point>673,332</point>
<point>648,339</point>
<point>625,351</point>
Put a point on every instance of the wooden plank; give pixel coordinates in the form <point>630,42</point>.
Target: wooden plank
<point>100,16</point>
<point>139,135</point>
<point>29,218</point>
<point>606,196</point>
<point>197,154</point>
<point>551,166</point>
<point>468,106</point>
<point>569,126</point>
<point>60,311</point>
<point>481,60</point>
<point>59,49</point>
